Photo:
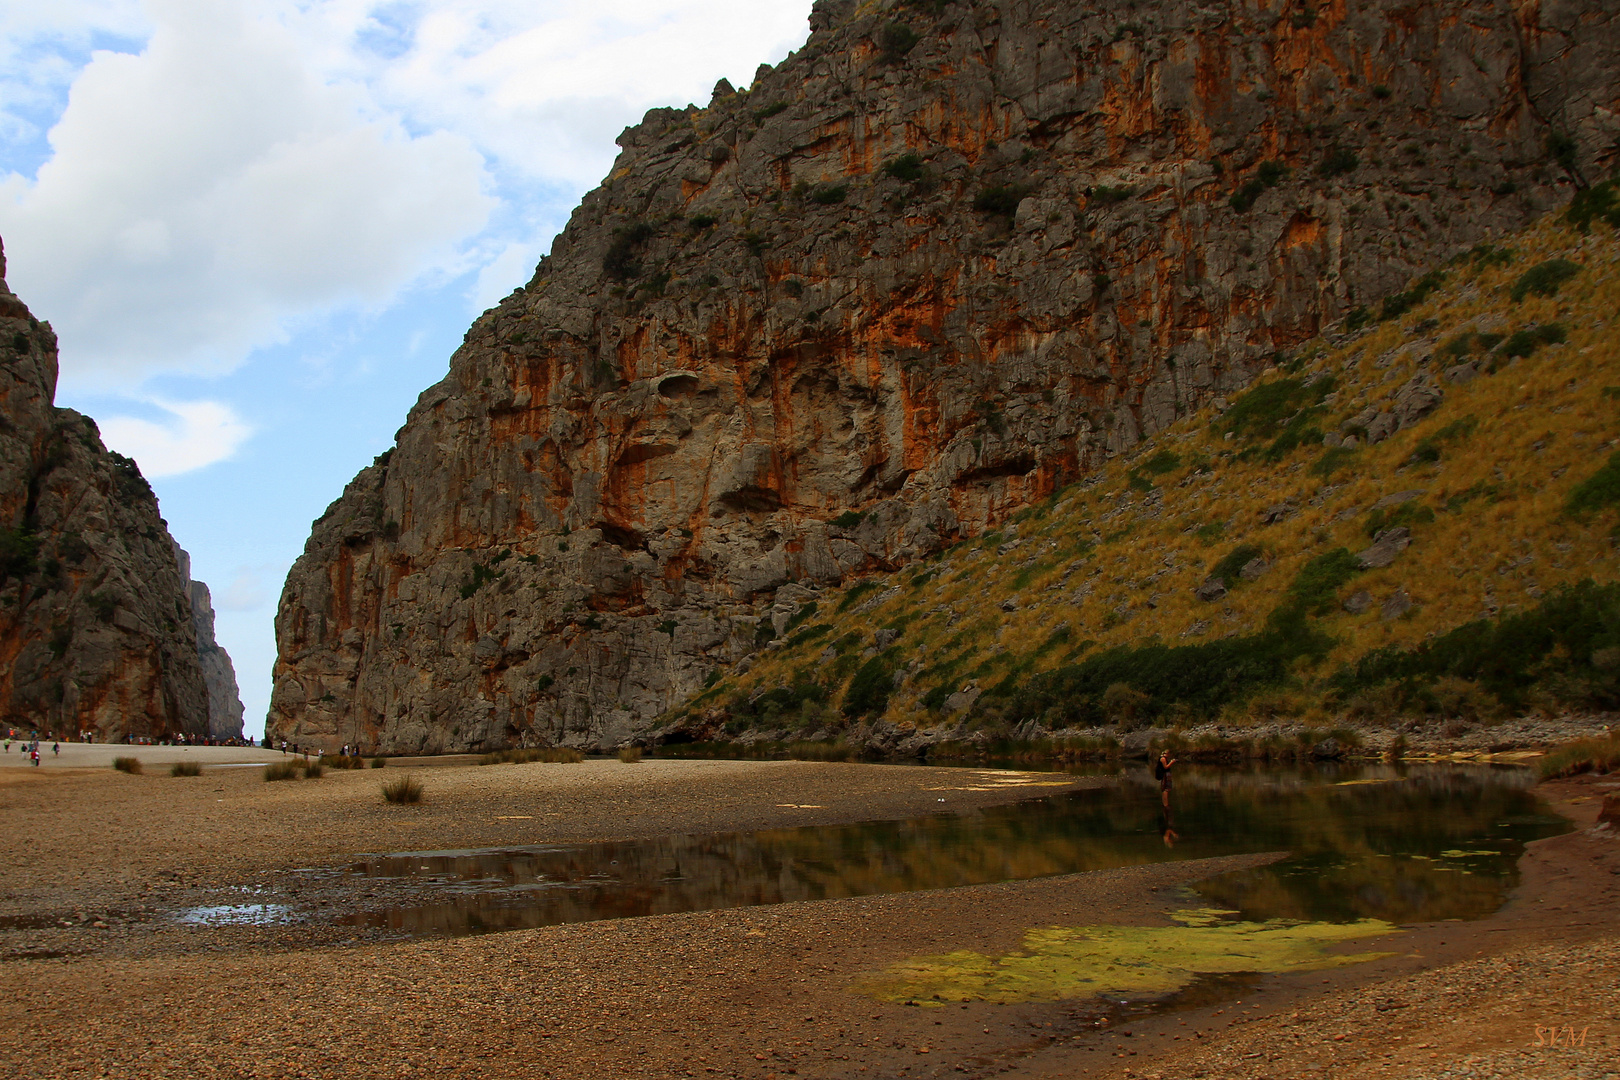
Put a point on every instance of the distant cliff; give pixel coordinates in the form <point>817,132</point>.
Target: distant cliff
<point>944,259</point>
<point>98,616</point>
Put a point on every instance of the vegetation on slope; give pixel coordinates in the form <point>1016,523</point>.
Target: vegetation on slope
<point>1231,566</point>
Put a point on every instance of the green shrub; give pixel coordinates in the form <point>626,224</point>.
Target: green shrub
<point>1271,172</point>
<point>906,167</point>
<point>622,262</point>
<point>1524,343</point>
<point>896,40</point>
<point>185,768</point>
<point>1315,588</point>
<point>1382,92</point>
<point>847,520</point>
<point>699,222</point>
<point>1244,197</point>
<point>18,551</point>
<point>1359,317</point>
<point>131,765</point>
<point>1107,196</point>
<point>828,194</point>
<point>476,579</point>
<point>1283,406</point>
<point>1002,199</point>
<point>1544,279</point>
<point>853,596</point>
<point>1597,492</point>
<point>1400,303</point>
<point>769,111</point>
<point>379,763</point>
<point>404,789</point>
<point>1332,460</point>
<point>1233,561</point>
<point>1165,461</point>
<point>869,690</point>
<point>1561,647</point>
<point>1407,513</point>
<point>1338,162</point>
<point>1601,202</point>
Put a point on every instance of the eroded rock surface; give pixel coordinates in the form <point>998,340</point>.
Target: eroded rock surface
<point>97,630</point>
<point>928,269</point>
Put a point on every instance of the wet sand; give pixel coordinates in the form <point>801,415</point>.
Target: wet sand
<point>752,992</point>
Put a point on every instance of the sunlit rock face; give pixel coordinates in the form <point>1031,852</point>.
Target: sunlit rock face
<point>97,629</point>
<point>929,268</point>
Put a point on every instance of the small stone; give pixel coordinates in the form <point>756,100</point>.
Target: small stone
<point>1211,590</point>
<point>1358,602</point>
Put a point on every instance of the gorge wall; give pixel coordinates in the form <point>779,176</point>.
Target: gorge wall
<point>943,259</point>
<point>100,629</point>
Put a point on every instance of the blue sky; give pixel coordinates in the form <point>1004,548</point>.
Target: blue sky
<point>260,227</point>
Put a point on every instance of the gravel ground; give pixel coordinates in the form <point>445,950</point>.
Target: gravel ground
<point>762,993</point>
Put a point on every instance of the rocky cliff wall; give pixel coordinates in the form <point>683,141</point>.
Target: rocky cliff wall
<point>219,674</point>
<point>96,621</point>
<point>945,258</point>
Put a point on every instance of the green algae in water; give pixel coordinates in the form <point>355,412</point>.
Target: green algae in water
<point>1061,962</point>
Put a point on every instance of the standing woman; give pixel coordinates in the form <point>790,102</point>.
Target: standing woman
<point>1161,773</point>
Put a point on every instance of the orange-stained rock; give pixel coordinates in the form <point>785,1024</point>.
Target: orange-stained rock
<point>774,350</point>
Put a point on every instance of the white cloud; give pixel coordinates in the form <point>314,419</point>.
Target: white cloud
<point>249,588</point>
<point>207,192</point>
<point>256,165</point>
<point>195,434</point>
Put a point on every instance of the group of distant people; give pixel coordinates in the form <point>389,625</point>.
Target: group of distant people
<point>30,746</point>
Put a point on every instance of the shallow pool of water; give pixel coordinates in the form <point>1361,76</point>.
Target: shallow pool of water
<point>1366,841</point>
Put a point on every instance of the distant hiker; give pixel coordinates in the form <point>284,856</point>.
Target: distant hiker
<point>1161,773</point>
<point>34,756</point>
<point>56,749</point>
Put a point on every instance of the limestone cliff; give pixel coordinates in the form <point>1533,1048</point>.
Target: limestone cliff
<point>219,674</point>
<point>943,259</point>
<point>96,620</point>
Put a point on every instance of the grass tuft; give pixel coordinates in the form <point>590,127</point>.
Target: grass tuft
<point>184,768</point>
<point>566,754</point>
<point>282,770</point>
<point>406,789</point>
<point>131,765</point>
<point>629,754</point>
<point>1584,755</point>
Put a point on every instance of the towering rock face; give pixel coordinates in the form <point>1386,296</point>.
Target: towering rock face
<point>219,674</point>
<point>945,258</point>
<point>96,620</point>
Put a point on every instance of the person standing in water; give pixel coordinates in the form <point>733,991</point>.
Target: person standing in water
<point>1161,773</point>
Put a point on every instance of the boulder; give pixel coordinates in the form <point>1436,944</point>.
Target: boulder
<point>1386,548</point>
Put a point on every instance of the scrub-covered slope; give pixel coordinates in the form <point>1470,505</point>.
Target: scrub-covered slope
<point>1418,518</point>
<point>943,260</point>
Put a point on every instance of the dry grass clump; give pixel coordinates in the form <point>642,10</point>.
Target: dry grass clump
<point>406,789</point>
<point>131,765</point>
<point>379,763</point>
<point>185,768</point>
<point>341,761</point>
<point>282,770</point>
<point>314,771</point>
<point>1583,755</point>
<point>565,754</point>
<point>629,754</point>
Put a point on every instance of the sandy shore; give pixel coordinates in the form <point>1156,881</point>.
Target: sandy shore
<point>751,992</point>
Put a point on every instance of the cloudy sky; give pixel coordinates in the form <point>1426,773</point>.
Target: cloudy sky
<point>260,227</point>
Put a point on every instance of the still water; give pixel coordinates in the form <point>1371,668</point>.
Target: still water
<point>1365,841</point>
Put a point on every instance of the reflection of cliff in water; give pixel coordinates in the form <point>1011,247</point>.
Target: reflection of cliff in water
<point>1418,845</point>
